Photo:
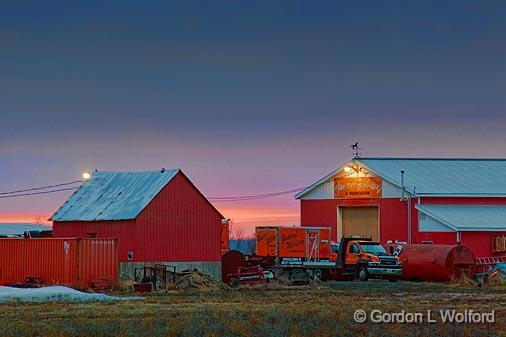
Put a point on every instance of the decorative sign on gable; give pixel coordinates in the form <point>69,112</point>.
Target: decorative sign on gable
<point>361,187</point>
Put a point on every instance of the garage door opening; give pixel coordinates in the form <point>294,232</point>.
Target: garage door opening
<point>359,221</point>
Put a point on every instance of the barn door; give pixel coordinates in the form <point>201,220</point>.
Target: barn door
<point>360,221</point>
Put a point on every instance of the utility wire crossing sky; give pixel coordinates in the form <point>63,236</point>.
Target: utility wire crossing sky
<point>18,193</point>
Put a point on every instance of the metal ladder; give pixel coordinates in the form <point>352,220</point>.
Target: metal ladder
<point>314,249</point>
<point>485,264</point>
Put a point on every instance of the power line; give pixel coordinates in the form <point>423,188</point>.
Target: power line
<point>42,187</point>
<point>20,193</point>
<point>261,196</point>
<point>253,197</point>
<point>37,193</point>
<point>258,195</point>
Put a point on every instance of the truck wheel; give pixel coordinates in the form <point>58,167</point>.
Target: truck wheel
<point>362,274</point>
<point>298,275</point>
<point>317,274</point>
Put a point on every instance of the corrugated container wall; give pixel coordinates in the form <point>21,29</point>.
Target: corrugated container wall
<point>66,261</point>
<point>125,231</point>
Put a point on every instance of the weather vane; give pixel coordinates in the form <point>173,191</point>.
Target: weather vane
<point>356,150</point>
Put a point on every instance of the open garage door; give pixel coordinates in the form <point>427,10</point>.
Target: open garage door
<point>360,221</point>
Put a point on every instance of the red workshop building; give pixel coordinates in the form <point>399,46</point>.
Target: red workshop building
<point>158,217</point>
<point>414,200</point>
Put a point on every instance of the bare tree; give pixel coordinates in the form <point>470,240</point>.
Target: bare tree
<point>236,231</point>
<point>38,219</point>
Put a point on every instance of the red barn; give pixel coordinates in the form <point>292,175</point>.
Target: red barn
<point>413,200</point>
<point>158,216</point>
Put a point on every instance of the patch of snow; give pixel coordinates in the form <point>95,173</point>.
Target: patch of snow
<point>54,294</point>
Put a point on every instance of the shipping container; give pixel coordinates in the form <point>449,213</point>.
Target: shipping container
<point>71,262</point>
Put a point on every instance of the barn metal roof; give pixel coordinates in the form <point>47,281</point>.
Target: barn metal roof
<point>113,195</point>
<point>443,176</point>
<point>467,218</point>
<point>436,176</point>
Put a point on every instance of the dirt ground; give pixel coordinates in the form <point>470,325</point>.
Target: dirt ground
<point>325,309</point>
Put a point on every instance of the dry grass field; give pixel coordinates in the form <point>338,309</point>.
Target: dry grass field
<point>322,310</point>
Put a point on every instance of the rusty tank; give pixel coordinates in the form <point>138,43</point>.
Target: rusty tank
<point>433,262</point>
<point>230,262</point>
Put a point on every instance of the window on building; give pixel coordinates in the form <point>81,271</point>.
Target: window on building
<point>499,244</point>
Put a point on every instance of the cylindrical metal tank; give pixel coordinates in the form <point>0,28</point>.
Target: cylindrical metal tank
<point>72,262</point>
<point>441,263</point>
<point>230,262</point>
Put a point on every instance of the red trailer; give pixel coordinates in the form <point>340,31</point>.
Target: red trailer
<point>73,262</point>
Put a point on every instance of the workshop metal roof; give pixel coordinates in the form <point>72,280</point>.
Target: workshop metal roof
<point>113,195</point>
<point>443,176</point>
<point>436,176</point>
<point>467,218</point>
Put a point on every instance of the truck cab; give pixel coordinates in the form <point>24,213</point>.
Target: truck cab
<point>367,259</point>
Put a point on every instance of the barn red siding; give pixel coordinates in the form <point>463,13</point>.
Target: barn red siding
<point>392,212</point>
<point>125,231</point>
<point>443,238</point>
<point>319,213</point>
<point>179,225</point>
<point>480,242</point>
<point>394,223</point>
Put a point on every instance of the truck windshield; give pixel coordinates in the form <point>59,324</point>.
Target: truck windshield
<point>373,249</point>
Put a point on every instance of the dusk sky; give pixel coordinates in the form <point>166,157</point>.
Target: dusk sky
<point>246,97</point>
